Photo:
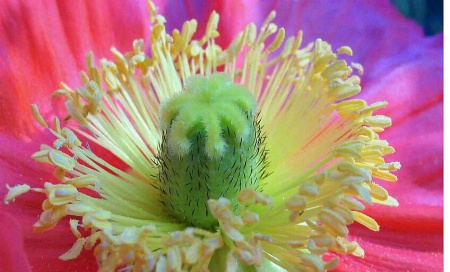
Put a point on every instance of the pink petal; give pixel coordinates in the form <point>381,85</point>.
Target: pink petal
<point>39,251</point>
<point>44,43</point>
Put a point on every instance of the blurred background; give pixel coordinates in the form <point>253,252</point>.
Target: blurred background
<point>427,13</point>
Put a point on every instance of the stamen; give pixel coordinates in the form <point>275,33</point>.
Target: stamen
<point>38,116</point>
<point>75,251</point>
<point>366,221</point>
<point>15,191</point>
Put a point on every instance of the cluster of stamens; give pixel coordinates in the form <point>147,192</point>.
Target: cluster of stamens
<point>195,191</point>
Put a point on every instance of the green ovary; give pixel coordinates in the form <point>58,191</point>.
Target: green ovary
<point>211,147</point>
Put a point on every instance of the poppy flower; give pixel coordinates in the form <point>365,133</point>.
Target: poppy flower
<point>295,203</point>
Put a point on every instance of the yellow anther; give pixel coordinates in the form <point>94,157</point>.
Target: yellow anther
<point>79,209</point>
<point>309,190</point>
<point>15,191</point>
<point>246,195</point>
<point>378,121</point>
<point>97,219</point>
<point>335,67</point>
<point>297,42</point>
<point>393,166</point>
<point>245,256</point>
<point>288,47</point>
<point>152,12</point>
<point>174,260</point>
<point>333,224</point>
<point>60,194</point>
<point>232,233</point>
<point>344,212</point>
<point>250,218</point>
<point>263,199</point>
<point>384,175</point>
<point>321,62</point>
<point>82,181</point>
<point>378,192</point>
<point>333,215</point>
<point>193,253</point>
<point>75,251</point>
<point>269,19</point>
<point>38,116</point>
<point>345,50</point>
<point>296,203</point>
<point>344,90</point>
<point>235,47</point>
<point>121,61</point>
<point>251,34</point>
<point>377,105</point>
<point>74,227</point>
<point>358,67</point>
<point>361,191</point>
<point>76,114</point>
<point>211,27</point>
<point>366,221</point>
<point>61,160</point>
<point>313,262</point>
<point>323,240</point>
<point>350,107</point>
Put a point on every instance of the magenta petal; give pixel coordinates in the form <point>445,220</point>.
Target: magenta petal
<point>395,251</point>
<point>411,236</point>
<point>17,166</point>
<point>12,253</point>
<point>418,142</point>
<point>412,83</point>
<point>374,29</point>
<point>234,16</point>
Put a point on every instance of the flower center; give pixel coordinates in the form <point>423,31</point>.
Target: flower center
<point>211,147</point>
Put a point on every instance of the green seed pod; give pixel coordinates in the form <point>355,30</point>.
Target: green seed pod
<point>212,147</point>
